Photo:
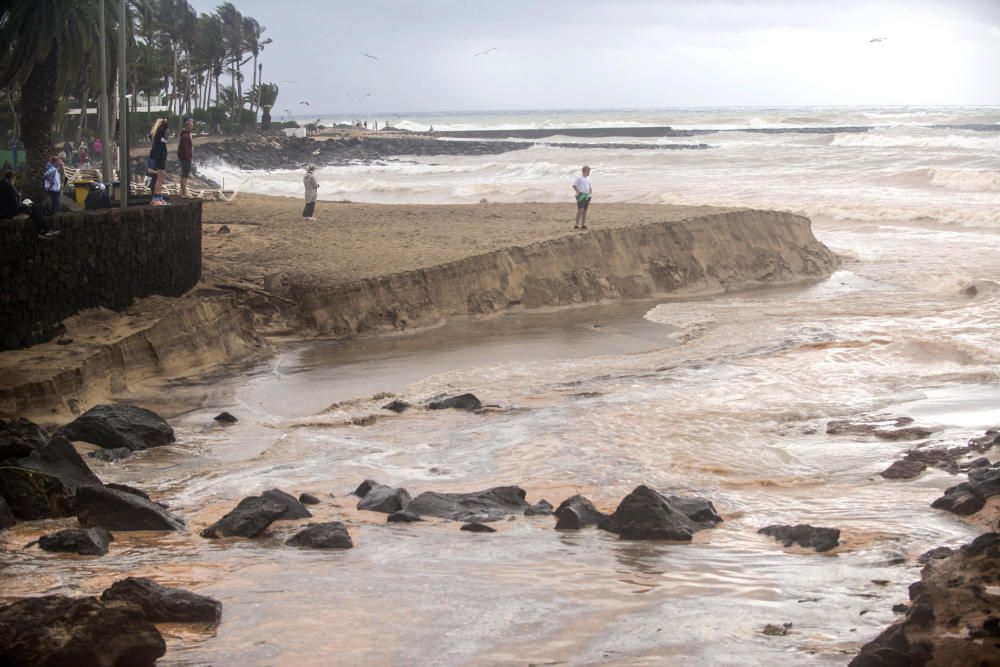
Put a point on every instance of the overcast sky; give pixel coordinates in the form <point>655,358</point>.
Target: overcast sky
<point>626,53</point>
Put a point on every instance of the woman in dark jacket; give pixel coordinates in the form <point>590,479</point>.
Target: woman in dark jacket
<point>158,160</point>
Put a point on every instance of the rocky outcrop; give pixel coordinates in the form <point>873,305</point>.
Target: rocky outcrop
<point>250,518</point>
<point>293,508</point>
<point>120,510</point>
<point>44,483</point>
<point>646,514</point>
<point>59,631</point>
<point>804,535</point>
<point>467,402</point>
<point>163,604</point>
<point>19,437</point>
<point>971,496</point>
<point>481,506</point>
<point>83,541</point>
<point>952,619</point>
<point>119,425</point>
<point>705,254</point>
<point>330,535</point>
<point>377,497</point>
<point>949,459</point>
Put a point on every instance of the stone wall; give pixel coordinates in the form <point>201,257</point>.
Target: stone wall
<point>100,259</point>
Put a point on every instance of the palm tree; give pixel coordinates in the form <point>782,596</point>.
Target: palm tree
<point>267,93</point>
<point>47,51</point>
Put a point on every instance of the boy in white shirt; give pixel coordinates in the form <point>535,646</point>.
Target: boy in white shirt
<point>581,186</point>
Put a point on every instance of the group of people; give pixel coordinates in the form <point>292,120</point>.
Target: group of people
<point>582,190</point>
<point>156,165</point>
<point>84,154</point>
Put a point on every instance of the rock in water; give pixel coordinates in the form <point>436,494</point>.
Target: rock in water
<point>396,406</point>
<point>308,499</point>
<point>541,508</point>
<point>332,535</point>
<point>19,437</point>
<point>577,512</point>
<point>84,541</point>
<point>162,604</point>
<point>490,505</point>
<point>44,484</point>
<point>646,514</point>
<point>475,527</point>
<point>226,418</point>
<point>462,402</point>
<point>112,426</point>
<point>293,508</point>
<point>970,497</point>
<point>119,510</point>
<point>250,518</point>
<point>59,631</point>
<point>111,455</point>
<point>377,497</point>
<point>809,537</point>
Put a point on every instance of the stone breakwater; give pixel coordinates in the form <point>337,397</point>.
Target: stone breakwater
<point>702,255</point>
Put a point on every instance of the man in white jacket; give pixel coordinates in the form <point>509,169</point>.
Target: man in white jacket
<point>312,191</point>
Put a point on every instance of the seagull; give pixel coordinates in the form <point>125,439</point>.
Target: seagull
<point>304,102</point>
<point>877,39</point>
<point>483,53</point>
<point>368,55</point>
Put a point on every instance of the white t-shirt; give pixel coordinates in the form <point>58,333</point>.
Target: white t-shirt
<point>582,184</point>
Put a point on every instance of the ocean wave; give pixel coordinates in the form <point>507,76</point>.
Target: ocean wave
<point>930,139</point>
<point>966,179</point>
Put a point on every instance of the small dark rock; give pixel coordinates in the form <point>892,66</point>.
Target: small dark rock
<point>332,535</point>
<point>907,433</point>
<point>111,455</point>
<point>120,510</point>
<point>937,553</point>
<point>461,402</point>
<point>900,608</point>
<point>83,541</point>
<point>403,517</point>
<point>308,499</point>
<point>293,508</point>
<point>541,508</point>
<point>226,418</point>
<point>904,469</point>
<point>224,229</point>
<point>483,506</point>
<point>118,425</point>
<point>773,630</point>
<point>578,512</point>
<point>381,498</point>
<point>645,514</point>
<point>249,518</point>
<point>809,537</point>
<point>163,604</point>
<point>475,527</point>
<point>396,406</point>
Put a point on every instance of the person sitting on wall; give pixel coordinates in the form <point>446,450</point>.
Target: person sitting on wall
<point>11,205</point>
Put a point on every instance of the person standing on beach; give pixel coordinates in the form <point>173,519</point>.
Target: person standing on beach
<point>53,182</point>
<point>157,163</point>
<point>185,153</point>
<point>583,190</point>
<point>312,191</point>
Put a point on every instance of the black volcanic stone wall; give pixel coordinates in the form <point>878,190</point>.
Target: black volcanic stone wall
<point>101,258</point>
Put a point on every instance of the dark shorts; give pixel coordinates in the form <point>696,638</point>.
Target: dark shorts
<point>185,168</point>
<point>156,165</point>
<point>582,202</point>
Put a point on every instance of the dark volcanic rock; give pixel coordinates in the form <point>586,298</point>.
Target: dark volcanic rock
<point>119,510</point>
<point>19,437</point>
<point>952,593</point>
<point>111,455</point>
<point>163,604</point>
<point>58,631</point>
<point>331,535</point>
<point>125,488</point>
<point>541,508</point>
<point>904,469</point>
<point>490,505</point>
<point>112,426</point>
<point>44,483</point>
<point>577,512</point>
<point>970,497</point>
<point>809,537</point>
<point>475,527</point>
<point>293,508</point>
<point>461,402</point>
<point>226,418</point>
<point>377,497</point>
<point>249,518</point>
<point>396,406</point>
<point>84,541</point>
<point>6,516</point>
<point>646,514</point>
<point>866,424</point>
<point>308,499</point>
<point>403,517</point>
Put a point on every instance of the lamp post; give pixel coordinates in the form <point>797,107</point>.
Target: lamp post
<point>105,134</point>
<point>123,175</point>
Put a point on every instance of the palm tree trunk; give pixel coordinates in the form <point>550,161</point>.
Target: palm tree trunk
<point>38,108</point>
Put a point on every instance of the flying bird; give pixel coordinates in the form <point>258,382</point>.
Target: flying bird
<point>483,53</point>
<point>877,39</point>
<point>304,102</point>
<point>368,55</point>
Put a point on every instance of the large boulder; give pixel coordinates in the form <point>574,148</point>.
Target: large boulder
<point>970,497</point>
<point>83,541</point>
<point>44,483</point>
<point>467,402</point>
<point>118,425</point>
<point>646,514</point>
<point>293,508</point>
<point>489,505</point>
<point>578,512</point>
<point>331,535</point>
<point>19,437</point>
<point>377,497</point>
<point>804,535</point>
<point>249,518</point>
<point>120,510</point>
<point>59,631</point>
<point>163,604</point>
